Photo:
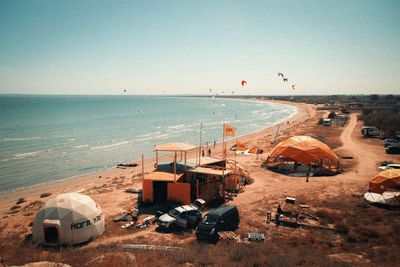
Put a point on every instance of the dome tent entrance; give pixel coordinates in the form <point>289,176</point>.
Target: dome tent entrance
<point>68,219</point>
<point>304,152</point>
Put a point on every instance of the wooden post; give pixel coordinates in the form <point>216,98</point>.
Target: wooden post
<point>197,188</point>
<point>175,168</point>
<point>185,161</point>
<point>201,132</point>
<point>223,147</point>
<point>157,158</point>
<point>236,153</point>
<point>142,166</point>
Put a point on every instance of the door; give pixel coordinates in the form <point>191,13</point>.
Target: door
<point>51,234</point>
<point>181,221</point>
<point>192,217</point>
<point>159,191</point>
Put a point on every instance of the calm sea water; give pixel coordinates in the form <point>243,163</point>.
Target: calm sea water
<point>46,138</point>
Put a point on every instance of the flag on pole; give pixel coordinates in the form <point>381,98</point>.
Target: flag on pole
<point>229,130</point>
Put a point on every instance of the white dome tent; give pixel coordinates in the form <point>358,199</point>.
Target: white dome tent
<point>68,219</point>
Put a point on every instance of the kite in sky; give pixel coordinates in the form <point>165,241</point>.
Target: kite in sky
<point>243,82</point>
<point>293,86</point>
<point>280,74</point>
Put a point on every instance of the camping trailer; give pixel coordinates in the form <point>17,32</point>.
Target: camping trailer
<point>368,131</point>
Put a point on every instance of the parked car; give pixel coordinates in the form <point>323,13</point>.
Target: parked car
<point>390,166</point>
<point>186,216</point>
<point>327,122</point>
<point>393,150</point>
<point>391,142</point>
<point>224,218</point>
<point>368,131</point>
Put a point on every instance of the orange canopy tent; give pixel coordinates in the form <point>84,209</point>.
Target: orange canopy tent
<point>385,180</point>
<point>306,150</point>
<point>255,150</point>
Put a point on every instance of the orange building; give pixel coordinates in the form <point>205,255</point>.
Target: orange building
<point>185,180</point>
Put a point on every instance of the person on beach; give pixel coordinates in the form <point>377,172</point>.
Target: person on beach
<point>202,153</point>
<point>215,143</point>
<point>209,152</point>
<point>307,174</point>
<point>135,214</point>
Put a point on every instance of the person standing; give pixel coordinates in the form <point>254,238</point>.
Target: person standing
<point>209,152</point>
<point>307,175</point>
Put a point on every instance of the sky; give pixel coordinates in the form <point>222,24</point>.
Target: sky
<point>192,47</point>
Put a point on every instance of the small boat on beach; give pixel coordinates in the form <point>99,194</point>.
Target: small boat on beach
<point>127,165</point>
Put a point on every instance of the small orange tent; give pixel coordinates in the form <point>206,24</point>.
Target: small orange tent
<point>255,150</point>
<point>306,150</point>
<point>385,180</point>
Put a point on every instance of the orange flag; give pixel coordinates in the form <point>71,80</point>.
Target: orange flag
<point>229,130</point>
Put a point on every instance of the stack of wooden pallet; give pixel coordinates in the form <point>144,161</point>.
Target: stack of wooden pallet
<point>228,235</point>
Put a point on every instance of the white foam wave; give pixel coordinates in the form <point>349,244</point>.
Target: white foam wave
<point>144,139</point>
<point>26,155</point>
<point>179,126</point>
<point>14,139</point>
<point>80,146</point>
<point>145,135</point>
<point>160,136</point>
<point>112,145</point>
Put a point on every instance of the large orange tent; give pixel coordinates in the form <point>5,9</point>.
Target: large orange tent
<point>385,180</point>
<point>306,150</point>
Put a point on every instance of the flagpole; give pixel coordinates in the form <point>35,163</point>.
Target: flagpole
<point>201,131</point>
<point>236,153</point>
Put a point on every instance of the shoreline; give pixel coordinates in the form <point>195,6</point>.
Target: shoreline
<point>139,145</point>
<point>98,177</point>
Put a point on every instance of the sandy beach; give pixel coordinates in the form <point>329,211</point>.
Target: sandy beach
<point>96,179</point>
<point>268,190</point>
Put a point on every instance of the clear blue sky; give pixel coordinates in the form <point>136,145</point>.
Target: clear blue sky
<point>147,47</point>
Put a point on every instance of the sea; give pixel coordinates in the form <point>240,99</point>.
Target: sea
<point>46,138</point>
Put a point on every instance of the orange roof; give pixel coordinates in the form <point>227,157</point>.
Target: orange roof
<point>162,176</point>
<point>385,180</point>
<point>175,147</point>
<point>304,149</point>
